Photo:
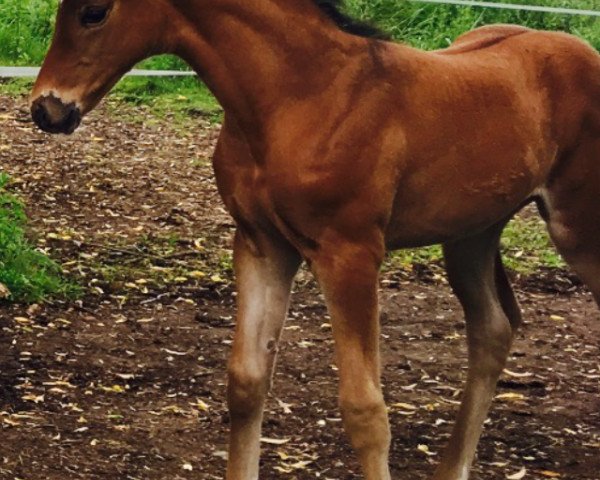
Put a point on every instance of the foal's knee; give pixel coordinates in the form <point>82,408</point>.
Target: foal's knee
<point>246,389</point>
<point>490,343</point>
<point>365,419</point>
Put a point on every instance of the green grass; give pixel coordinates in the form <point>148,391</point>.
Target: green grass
<point>432,26</point>
<point>525,247</point>
<point>26,26</point>
<point>25,30</point>
<point>180,98</point>
<point>28,274</point>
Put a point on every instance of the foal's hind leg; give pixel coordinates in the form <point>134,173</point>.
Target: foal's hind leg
<point>492,314</point>
<point>572,201</point>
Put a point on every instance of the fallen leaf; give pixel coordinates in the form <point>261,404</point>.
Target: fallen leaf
<point>425,450</point>
<point>33,398</point>
<point>174,352</point>
<point>404,406</point>
<point>274,441</point>
<point>172,409</point>
<point>550,474</point>
<point>283,455</point>
<point>4,291</point>
<point>286,407</point>
<point>517,374</point>
<point>517,476</point>
<point>202,406</point>
<point>113,389</point>
<point>221,454</point>
<point>60,383</point>
<point>511,396</point>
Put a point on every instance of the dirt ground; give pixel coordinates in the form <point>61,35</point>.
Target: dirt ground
<point>128,382</point>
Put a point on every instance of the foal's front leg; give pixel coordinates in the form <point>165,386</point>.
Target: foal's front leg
<point>264,272</point>
<point>348,275</point>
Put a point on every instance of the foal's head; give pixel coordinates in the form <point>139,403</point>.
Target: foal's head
<point>96,42</point>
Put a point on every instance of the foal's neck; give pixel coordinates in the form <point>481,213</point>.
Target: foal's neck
<point>255,54</point>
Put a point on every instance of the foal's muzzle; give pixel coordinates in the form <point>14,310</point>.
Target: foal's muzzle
<point>53,116</point>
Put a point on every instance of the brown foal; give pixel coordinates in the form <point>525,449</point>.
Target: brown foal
<point>336,147</point>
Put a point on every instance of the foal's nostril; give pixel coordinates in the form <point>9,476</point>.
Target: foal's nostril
<point>51,115</point>
<point>39,114</point>
<point>72,120</point>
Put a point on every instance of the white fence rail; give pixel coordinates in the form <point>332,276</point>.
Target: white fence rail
<point>25,72</point>
<point>514,6</point>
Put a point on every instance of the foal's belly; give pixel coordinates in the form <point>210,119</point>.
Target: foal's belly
<point>419,227</point>
<point>458,196</point>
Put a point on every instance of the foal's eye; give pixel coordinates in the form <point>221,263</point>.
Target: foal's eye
<point>93,15</point>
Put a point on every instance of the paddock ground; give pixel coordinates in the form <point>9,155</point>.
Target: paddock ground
<point>128,382</point>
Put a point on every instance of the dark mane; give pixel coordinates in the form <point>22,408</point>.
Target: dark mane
<point>333,9</point>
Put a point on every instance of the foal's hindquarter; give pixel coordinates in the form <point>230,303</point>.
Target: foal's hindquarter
<point>423,148</point>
